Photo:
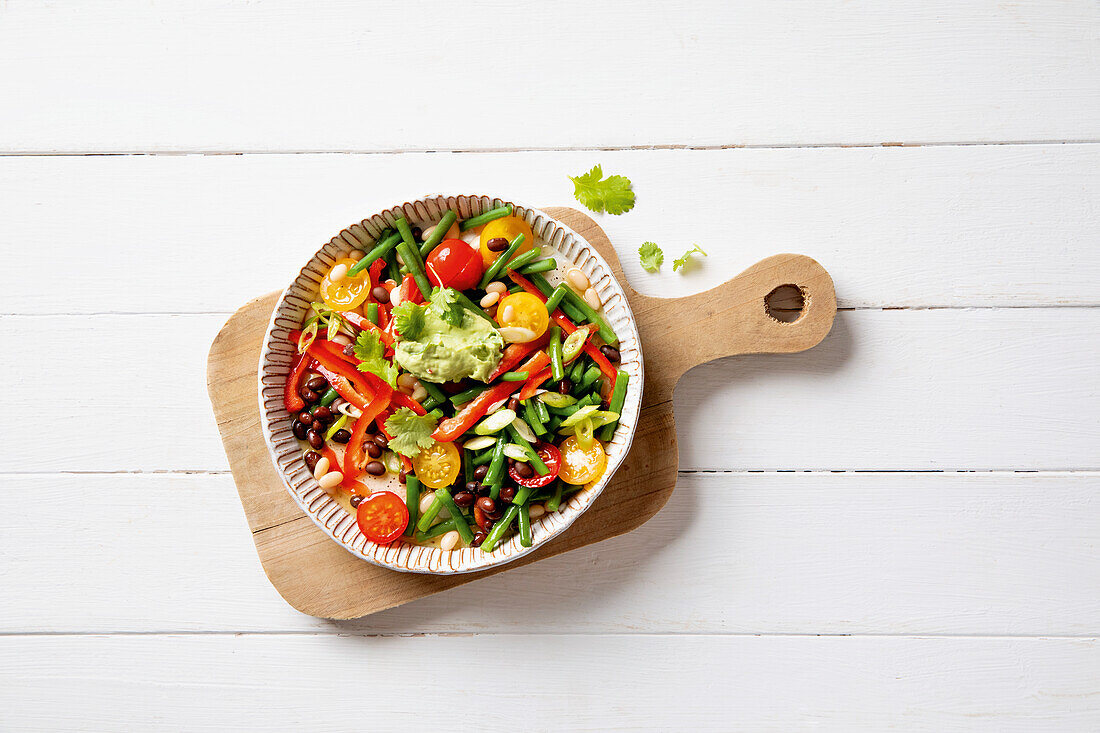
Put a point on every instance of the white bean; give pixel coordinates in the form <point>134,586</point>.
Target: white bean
<point>577,279</point>
<point>490,299</point>
<point>338,273</point>
<point>426,502</point>
<point>331,480</point>
<point>507,313</point>
<point>341,339</point>
<point>536,510</point>
<point>321,468</point>
<point>357,254</point>
<point>517,334</point>
<point>592,298</point>
<point>497,287</point>
<point>395,297</point>
<point>427,233</point>
<point>449,541</point>
<point>419,393</point>
<point>408,381</point>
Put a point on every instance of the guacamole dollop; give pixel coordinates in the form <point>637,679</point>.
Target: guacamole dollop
<point>445,353</point>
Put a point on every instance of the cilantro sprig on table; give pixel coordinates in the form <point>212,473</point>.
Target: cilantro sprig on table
<point>681,262</point>
<point>651,256</point>
<point>612,194</point>
<point>411,432</point>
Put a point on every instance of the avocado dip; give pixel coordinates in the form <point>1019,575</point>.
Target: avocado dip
<point>445,353</point>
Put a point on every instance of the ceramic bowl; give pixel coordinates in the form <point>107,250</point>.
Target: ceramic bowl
<point>277,354</point>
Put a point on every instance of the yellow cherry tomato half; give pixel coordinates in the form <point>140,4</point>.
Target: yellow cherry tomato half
<point>437,466</point>
<point>348,291</point>
<point>580,466</point>
<point>506,228</point>
<point>523,310</point>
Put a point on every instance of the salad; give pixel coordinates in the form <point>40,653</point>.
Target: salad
<point>453,385</point>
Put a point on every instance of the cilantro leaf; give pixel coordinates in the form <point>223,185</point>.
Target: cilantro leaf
<point>410,431</point>
<point>444,303</point>
<point>651,256</point>
<point>611,194</point>
<point>408,320</point>
<point>372,353</point>
<point>681,262</point>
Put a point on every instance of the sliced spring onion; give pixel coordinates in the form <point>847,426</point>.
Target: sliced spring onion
<point>336,426</point>
<point>553,399</point>
<point>515,452</point>
<point>495,422</point>
<point>479,443</point>
<point>574,343</point>
<point>524,430</point>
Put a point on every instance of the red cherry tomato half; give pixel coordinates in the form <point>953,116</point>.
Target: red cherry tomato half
<point>382,517</point>
<point>551,457</point>
<point>454,264</point>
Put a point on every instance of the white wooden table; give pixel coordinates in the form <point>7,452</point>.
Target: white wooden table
<point>897,529</point>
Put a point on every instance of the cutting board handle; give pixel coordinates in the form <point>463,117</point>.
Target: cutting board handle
<point>732,318</point>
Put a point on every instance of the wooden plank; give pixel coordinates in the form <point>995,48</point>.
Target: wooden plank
<point>228,76</point>
<point>927,389</point>
<point>914,227</point>
<point>745,553</point>
<point>645,683</point>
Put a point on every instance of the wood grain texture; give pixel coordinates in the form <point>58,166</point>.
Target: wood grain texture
<point>228,76</point>
<point>964,226</point>
<point>317,577</point>
<point>731,553</point>
<point>663,682</point>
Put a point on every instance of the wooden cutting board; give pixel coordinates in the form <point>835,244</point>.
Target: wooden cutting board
<point>319,578</point>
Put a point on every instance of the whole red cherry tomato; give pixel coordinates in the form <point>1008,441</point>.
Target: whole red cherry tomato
<point>551,456</point>
<point>454,264</point>
<point>382,517</point>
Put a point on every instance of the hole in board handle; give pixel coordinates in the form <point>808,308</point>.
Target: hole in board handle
<point>785,304</point>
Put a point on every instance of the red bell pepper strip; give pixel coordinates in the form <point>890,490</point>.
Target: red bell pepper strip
<point>514,353</point>
<point>453,427</point>
<point>403,400</point>
<point>294,378</point>
<point>375,271</point>
<point>360,381</point>
<point>532,384</point>
<point>343,387</point>
<point>410,291</point>
<point>354,453</point>
<point>363,324</point>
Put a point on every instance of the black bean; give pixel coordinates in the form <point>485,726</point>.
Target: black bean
<point>507,493</point>
<point>317,384</point>
<point>323,414</point>
<point>375,468</point>
<point>305,417</point>
<point>565,386</point>
<point>417,233</point>
<point>479,537</point>
<point>318,426</point>
<point>316,440</point>
<point>355,500</point>
<point>473,486</point>
<point>480,471</point>
<point>341,436</point>
<point>403,476</point>
<point>308,395</point>
<point>489,508</point>
<point>524,469</point>
<point>463,499</point>
<point>373,450</point>
<point>484,490</point>
<point>312,458</point>
<point>497,244</point>
<point>381,441</point>
<point>611,353</point>
<point>349,350</point>
<point>380,294</point>
<point>299,429</point>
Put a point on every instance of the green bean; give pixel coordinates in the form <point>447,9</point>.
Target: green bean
<point>554,502</point>
<point>591,316</point>
<point>515,289</point>
<point>532,416</point>
<point>438,233</point>
<point>412,502</point>
<point>522,260</point>
<point>533,457</point>
<point>482,458</point>
<point>372,313</point>
<point>430,404</point>
<point>476,221</point>
<point>540,408</point>
<point>554,423</point>
<point>524,525</point>
<point>577,371</point>
<point>557,370</point>
<point>429,516</point>
<point>555,298</point>
<point>328,397</point>
<point>590,378</point>
<point>381,249</point>
<point>473,307</point>
<point>540,266</point>
<point>460,522</point>
<point>467,467</point>
<point>501,261</point>
<point>416,267</point>
<point>464,397</point>
<point>566,307</point>
<point>436,413</point>
<point>498,530</point>
<point>514,376</point>
<point>441,528</point>
<point>393,271</point>
<point>615,404</point>
<point>434,391</point>
<point>495,475</point>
